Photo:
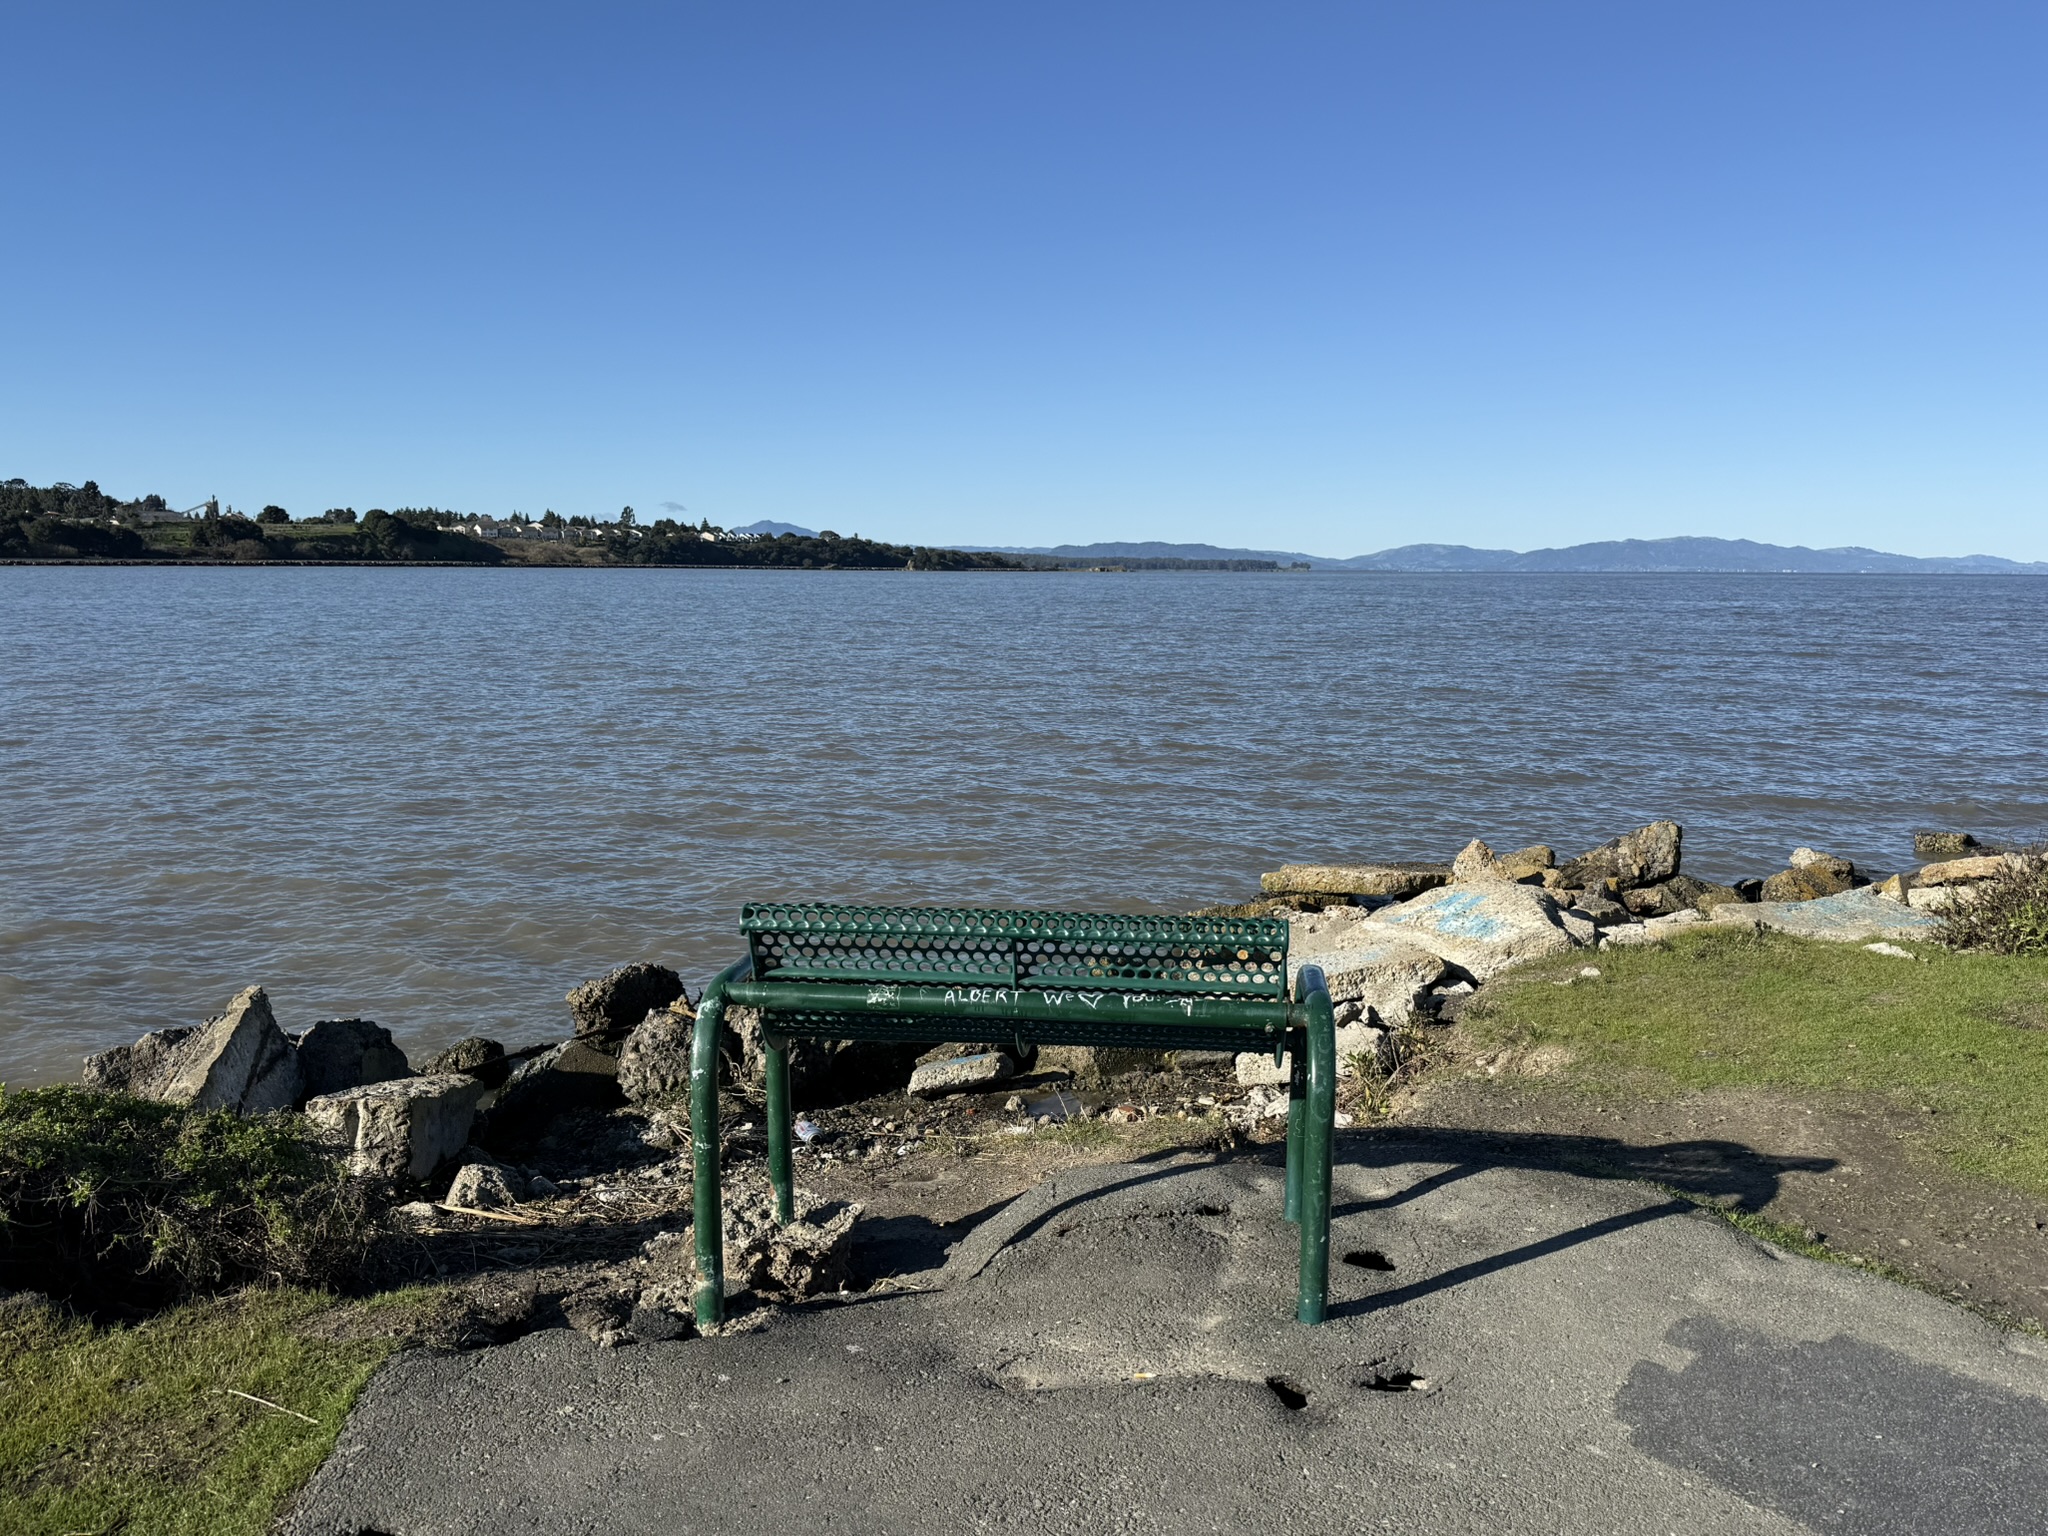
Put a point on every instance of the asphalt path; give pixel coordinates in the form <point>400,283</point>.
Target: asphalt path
<point>1511,1349</point>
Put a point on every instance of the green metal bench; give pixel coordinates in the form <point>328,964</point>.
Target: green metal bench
<point>1039,978</point>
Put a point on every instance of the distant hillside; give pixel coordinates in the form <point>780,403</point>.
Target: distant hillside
<point>776,530</point>
<point>1207,553</point>
<point>1684,554</point>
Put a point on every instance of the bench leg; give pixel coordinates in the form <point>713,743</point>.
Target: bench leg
<point>709,1216</point>
<point>1318,1128</point>
<point>1297,1097</point>
<point>780,1174</point>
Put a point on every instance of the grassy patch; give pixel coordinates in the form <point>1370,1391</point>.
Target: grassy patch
<point>137,1428</point>
<point>115,1203</point>
<point>1964,1036</point>
<point>2007,914</point>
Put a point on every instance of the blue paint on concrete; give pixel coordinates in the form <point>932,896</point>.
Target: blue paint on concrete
<point>1454,913</point>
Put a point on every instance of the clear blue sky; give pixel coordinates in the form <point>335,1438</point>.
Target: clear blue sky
<point>1328,278</point>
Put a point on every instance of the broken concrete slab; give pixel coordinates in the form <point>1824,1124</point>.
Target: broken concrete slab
<point>1482,929</point>
<point>1382,881</point>
<point>1958,871</point>
<point>239,1060</point>
<point>1364,964</point>
<point>1846,917</point>
<point>402,1129</point>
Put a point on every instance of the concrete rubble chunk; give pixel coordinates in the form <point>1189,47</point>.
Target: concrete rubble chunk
<point>1943,845</point>
<point>1809,875</point>
<point>347,1053</point>
<point>1386,975</point>
<point>1265,1102</point>
<point>654,1063</point>
<point>143,1069</point>
<point>1855,916</point>
<point>1477,861</point>
<point>1601,911</point>
<point>1531,863</point>
<point>607,1009</point>
<point>482,1187</point>
<point>1366,1045</point>
<point>1258,1068</point>
<point>960,1074</point>
<point>1938,898</point>
<point>402,1129</point>
<point>1956,871</point>
<point>1676,895</point>
<point>239,1061</point>
<point>1629,934</point>
<point>480,1058</point>
<point>1384,881</point>
<point>809,1256</point>
<point>1481,929</point>
<point>1647,856</point>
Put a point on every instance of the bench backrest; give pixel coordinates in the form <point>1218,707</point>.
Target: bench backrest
<point>1103,952</point>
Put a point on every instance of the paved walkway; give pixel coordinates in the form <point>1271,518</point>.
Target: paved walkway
<point>1511,1350</point>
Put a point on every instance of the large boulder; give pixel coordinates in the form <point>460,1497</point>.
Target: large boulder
<point>607,1009</point>
<point>1482,929</point>
<point>654,1063</point>
<point>1944,845</point>
<point>1476,861</point>
<point>474,1056</point>
<point>1810,874</point>
<point>1677,894</point>
<point>1385,882</point>
<point>347,1053</point>
<point>401,1129</point>
<point>1647,856</point>
<point>571,1076</point>
<point>239,1060</point>
<point>144,1069</point>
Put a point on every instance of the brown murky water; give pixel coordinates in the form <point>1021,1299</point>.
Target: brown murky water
<point>438,798</point>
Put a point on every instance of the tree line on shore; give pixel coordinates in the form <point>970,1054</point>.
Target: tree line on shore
<point>63,522</point>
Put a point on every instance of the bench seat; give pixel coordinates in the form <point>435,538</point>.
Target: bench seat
<point>938,974</point>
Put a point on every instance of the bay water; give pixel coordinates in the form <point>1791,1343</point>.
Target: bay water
<point>440,798</point>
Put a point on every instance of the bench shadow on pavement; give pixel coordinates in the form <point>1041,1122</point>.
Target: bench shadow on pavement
<point>1725,1174</point>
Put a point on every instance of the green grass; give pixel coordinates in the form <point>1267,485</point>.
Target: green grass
<point>1962,1035</point>
<point>136,1428</point>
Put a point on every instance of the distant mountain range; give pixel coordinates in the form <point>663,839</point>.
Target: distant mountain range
<point>1608,555</point>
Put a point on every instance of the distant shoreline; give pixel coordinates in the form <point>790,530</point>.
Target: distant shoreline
<point>1106,569</point>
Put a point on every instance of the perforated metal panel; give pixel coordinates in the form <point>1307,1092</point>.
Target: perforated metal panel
<point>1225,957</point>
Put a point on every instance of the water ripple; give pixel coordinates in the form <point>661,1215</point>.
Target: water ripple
<point>440,798</point>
